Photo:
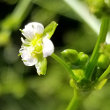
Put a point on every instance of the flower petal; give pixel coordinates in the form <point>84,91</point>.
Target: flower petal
<point>48,47</point>
<point>26,56</point>
<point>31,29</point>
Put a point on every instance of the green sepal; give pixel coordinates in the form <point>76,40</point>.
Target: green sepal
<point>50,29</point>
<point>70,56</point>
<point>42,66</point>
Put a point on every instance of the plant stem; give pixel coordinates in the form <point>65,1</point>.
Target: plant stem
<point>22,10</point>
<point>63,63</point>
<point>73,105</point>
<point>14,20</point>
<point>101,39</point>
<point>107,71</point>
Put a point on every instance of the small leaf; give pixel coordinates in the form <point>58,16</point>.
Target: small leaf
<point>50,29</point>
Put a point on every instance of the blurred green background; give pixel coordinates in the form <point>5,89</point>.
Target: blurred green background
<point>20,86</point>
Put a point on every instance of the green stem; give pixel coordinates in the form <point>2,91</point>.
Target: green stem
<point>107,71</point>
<point>22,9</point>
<point>73,105</point>
<point>101,39</point>
<point>14,20</point>
<point>63,63</point>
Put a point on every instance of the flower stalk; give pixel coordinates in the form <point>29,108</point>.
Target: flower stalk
<point>73,105</point>
<point>101,39</point>
<point>64,64</point>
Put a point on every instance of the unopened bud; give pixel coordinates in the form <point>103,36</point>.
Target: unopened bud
<point>103,61</point>
<point>82,57</point>
<point>79,73</point>
<point>70,55</point>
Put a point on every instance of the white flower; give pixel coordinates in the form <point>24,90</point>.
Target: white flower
<point>36,47</point>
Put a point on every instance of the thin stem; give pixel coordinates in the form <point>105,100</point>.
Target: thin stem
<point>22,9</point>
<point>101,39</point>
<point>63,63</point>
<point>73,105</point>
<point>107,71</point>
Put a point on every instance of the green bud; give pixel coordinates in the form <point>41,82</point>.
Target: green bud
<point>72,83</point>
<point>79,73</point>
<point>70,56</point>
<point>105,49</point>
<point>83,58</point>
<point>98,7</point>
<point>103,61</point>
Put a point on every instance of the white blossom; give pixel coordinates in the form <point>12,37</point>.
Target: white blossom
<point>36,46</point>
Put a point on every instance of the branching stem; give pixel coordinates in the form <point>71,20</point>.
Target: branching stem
<point>101,39</point>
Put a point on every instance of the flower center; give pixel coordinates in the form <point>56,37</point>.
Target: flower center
<point>37,44</point>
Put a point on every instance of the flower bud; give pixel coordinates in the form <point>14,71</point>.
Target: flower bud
<point>82,57</point>
<point>70,56</point>
<point>79,73</point>
<point>99,7</point>
<point>103,61</point>
<point>72,83</point>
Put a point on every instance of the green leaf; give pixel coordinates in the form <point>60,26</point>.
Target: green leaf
<point>50,29</point>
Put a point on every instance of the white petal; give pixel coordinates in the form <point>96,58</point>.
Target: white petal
<point>48,47</point>
<point>26,56</point>
<point>30,62</point>
<point>31,29</point>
